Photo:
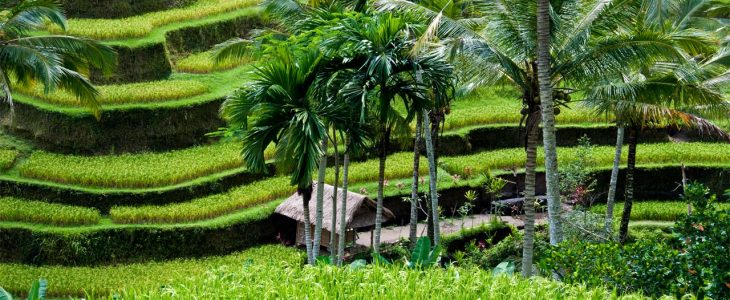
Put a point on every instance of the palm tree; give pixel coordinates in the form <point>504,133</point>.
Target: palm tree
<point>280,106</point>
<point>378,46</point>
<point>413,229</point>
<point>55,61</point>
<point>666,94</point>
<point>695,36</point>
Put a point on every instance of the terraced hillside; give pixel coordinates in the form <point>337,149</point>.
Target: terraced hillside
<point>146,183</point>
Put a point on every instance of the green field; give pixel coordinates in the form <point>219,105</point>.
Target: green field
<point>651,210</point>
<point>21,210</point>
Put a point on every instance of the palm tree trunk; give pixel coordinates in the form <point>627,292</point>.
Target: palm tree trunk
<point>333,228</point>
<point>343,204</point>
<point>529,202</point>
<point>548,117</point>
<point>608,226</point>
<point>432,178</point>
<point>381,186</point>
<point>412,235</point>
<point>320,201</point>
<point>628,202</point>
<point>306,196</point>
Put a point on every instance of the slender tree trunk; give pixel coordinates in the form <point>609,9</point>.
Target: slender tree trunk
<point>413,233</point>
<point>432,179</point>
<point>343,199</point>
<point>548,117</point>
<point>529,203</point>
<point>333,228</point>
<point>629,201</point>
<point>608,226</point>
<point>381,186</point>
<point>320,201</point>
<point>306,196</point>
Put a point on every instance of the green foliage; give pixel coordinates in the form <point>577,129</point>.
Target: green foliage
<point>652,210</point>
<point>140,26</point>
<point>423,256</point>
<point>696,263</point>
<point>7,158</point>
<point>705,245</point>
<point>646,266</point>
<point>368,282</point>
<point>104,280</point>
<point>584,226</point>
<point>132,170</point>
<point>38,290</point>
<point>504,268</point>
<point>204,63</point>
<point>4,295</point>
<point>17,210</point>
<point>128,93</point>
<point>208,207</point>
<point>576,178</point>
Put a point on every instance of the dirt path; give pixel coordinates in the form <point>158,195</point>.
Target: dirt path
<point>394,233</point>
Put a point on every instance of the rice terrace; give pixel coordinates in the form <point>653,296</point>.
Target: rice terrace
<point>365,149</point>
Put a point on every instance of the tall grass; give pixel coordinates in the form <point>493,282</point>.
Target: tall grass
<point>141,170</point>
<point>66,281</point>
<point>143,92</point>
<point>664,153</point>
<point>502,105</point>
<point>139,26</point>
<point>275,272</point>
<point>207,207</point>
<point>203,62</point>
<point>17,210</point>
<point>652,210</point>
<point>261,281</point>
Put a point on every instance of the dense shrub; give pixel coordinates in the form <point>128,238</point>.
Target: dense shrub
<point>7,158</point>
<point>697,262</point>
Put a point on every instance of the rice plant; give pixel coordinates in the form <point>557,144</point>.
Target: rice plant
<point>143,25</point>
<point>652,210</point>
<point>204,63</point>
<point>143,92</point>
<point>141,170</point>
<point>7,158</point>
<point>208,207</point>
<point>36,212</point>
<point>64,281</point>
<point>648,154</point>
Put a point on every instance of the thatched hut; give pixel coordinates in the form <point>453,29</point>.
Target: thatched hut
<point>360,214</point>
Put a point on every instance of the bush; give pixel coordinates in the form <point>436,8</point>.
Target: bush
<point>17,210</point>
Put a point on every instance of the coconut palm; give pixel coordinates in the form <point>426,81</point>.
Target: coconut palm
<point>277,106</point>
<point>664,95</point>
<point>697,35</point>
<point>55,61</point>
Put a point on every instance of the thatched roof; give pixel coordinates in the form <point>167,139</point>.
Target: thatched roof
<point>360,209</point>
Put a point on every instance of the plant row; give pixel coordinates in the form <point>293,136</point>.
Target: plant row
<point>154,91</point>
<point>143,25</point>
<point>132,170</point>
<point>647,154</point>
<point>651,210</point>
<point>36,212</point>
<point>7,158</point>
<point>203,62</point>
